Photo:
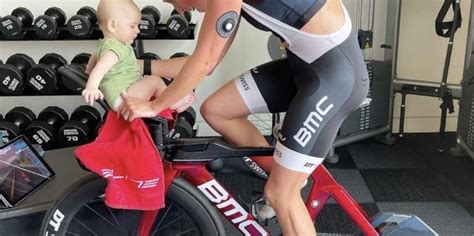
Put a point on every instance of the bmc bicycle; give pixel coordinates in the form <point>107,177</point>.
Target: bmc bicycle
<point>194,197</point>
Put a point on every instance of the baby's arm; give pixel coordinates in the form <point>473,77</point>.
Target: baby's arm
<point>91,63</point>
<point>103,65</point>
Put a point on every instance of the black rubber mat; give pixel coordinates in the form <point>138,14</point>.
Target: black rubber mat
<point>345,160</point>
<point>409,177</point>
<point>333,220</point>
<point>469,206</point>
<point>406,185</point>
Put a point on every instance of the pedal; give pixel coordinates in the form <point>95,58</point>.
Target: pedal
<point>388,223</point>
<point>260,209</point>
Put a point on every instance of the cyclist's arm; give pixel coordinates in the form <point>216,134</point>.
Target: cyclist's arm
<point>210,48</point>
<point>168,68</point>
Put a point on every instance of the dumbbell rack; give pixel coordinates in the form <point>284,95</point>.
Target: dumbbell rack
<point>64,34</point>
<point>61,160</point>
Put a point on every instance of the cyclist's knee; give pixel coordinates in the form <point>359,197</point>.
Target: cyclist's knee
<point>277,194</point>
<point>210,112</point>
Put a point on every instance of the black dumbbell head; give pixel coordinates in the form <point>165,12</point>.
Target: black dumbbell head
<point>189,115</point>
<point>186,14</point>
<point>9,131</point>
<point>20,116</point>
<point>43,78</point>
<point>80,25</point>
<point>81,59</point>
<point>77,71</point>
<point>151,16</point>
<point>179,54</point>
<point>87,115</point>
<point>46,26</point>
<point>12,26</point>
<point>13,72</point>
<point>73,133</point>
<point>150,55</point>
<point>81,129</point>
<point>16,120</point>
<point>43,131</point>
<point>178,26</point>
<point>182,129</point>
<point>54,115</point>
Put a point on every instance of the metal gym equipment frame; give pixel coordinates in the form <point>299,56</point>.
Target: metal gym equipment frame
<point>465,128</point>
<point>382,133</point>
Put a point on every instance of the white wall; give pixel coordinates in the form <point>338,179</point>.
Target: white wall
<point>249,50</point>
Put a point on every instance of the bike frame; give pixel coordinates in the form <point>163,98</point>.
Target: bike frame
<point>324,186</point>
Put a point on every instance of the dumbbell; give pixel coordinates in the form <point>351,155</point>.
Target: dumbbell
<point>12,25</point>
<point>43,78</point>
<point>149,55</point>
<point>43,131</point>
<point>179,54</point>
<point>150,18</point>
<point>178,25</point>
<point>81,128</point>
<point>12,73</point>
<point>189,115</point>
<point>16,120</point>
<point>80,25</point>
<point>46,26</point>
<point>182,129</point>
<point>79,62</point>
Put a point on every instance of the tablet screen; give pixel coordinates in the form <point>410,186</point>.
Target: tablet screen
<point>22,170</point>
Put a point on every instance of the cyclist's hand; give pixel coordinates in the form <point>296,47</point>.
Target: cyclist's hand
<point>92,94</point>
<point>132,108</point>
<point>184,102</point>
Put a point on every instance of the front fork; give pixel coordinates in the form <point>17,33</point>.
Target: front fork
<point>148,217</point>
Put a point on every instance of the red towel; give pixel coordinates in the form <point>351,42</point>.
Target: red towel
<point>124,153</point>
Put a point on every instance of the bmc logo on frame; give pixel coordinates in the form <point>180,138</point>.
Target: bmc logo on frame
<point>312,122</point>
<point>231,208</point>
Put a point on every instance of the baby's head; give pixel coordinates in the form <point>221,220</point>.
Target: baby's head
<point>119,19</point>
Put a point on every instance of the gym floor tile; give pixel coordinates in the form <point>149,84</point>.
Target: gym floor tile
<point>406,185</point>
<point>446,218</point>
<point>469,206</point>
<point>333,220</point>
<point>353,182</point>
<point>377,156</point>
<point>460,182</point>
<point>25,225</point>
<point>345,160</point>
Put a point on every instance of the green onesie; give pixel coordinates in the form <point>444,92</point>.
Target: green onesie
<point>123,74</point>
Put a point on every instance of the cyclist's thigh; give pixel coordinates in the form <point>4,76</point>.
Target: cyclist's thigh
<point>266,88</point>
<point>329,89</point>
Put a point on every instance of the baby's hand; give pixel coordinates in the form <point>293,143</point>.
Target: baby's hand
<point>92,94</point>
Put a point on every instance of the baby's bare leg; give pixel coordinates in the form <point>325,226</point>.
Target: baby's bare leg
<point>147,87</point>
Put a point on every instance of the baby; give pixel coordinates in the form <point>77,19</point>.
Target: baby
<point>115,68</point>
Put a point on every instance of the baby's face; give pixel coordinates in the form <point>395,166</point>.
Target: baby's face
<point>127,27</point>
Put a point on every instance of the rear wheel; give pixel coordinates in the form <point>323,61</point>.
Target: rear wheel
<point>81,211</point>
<point>269,124</point>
